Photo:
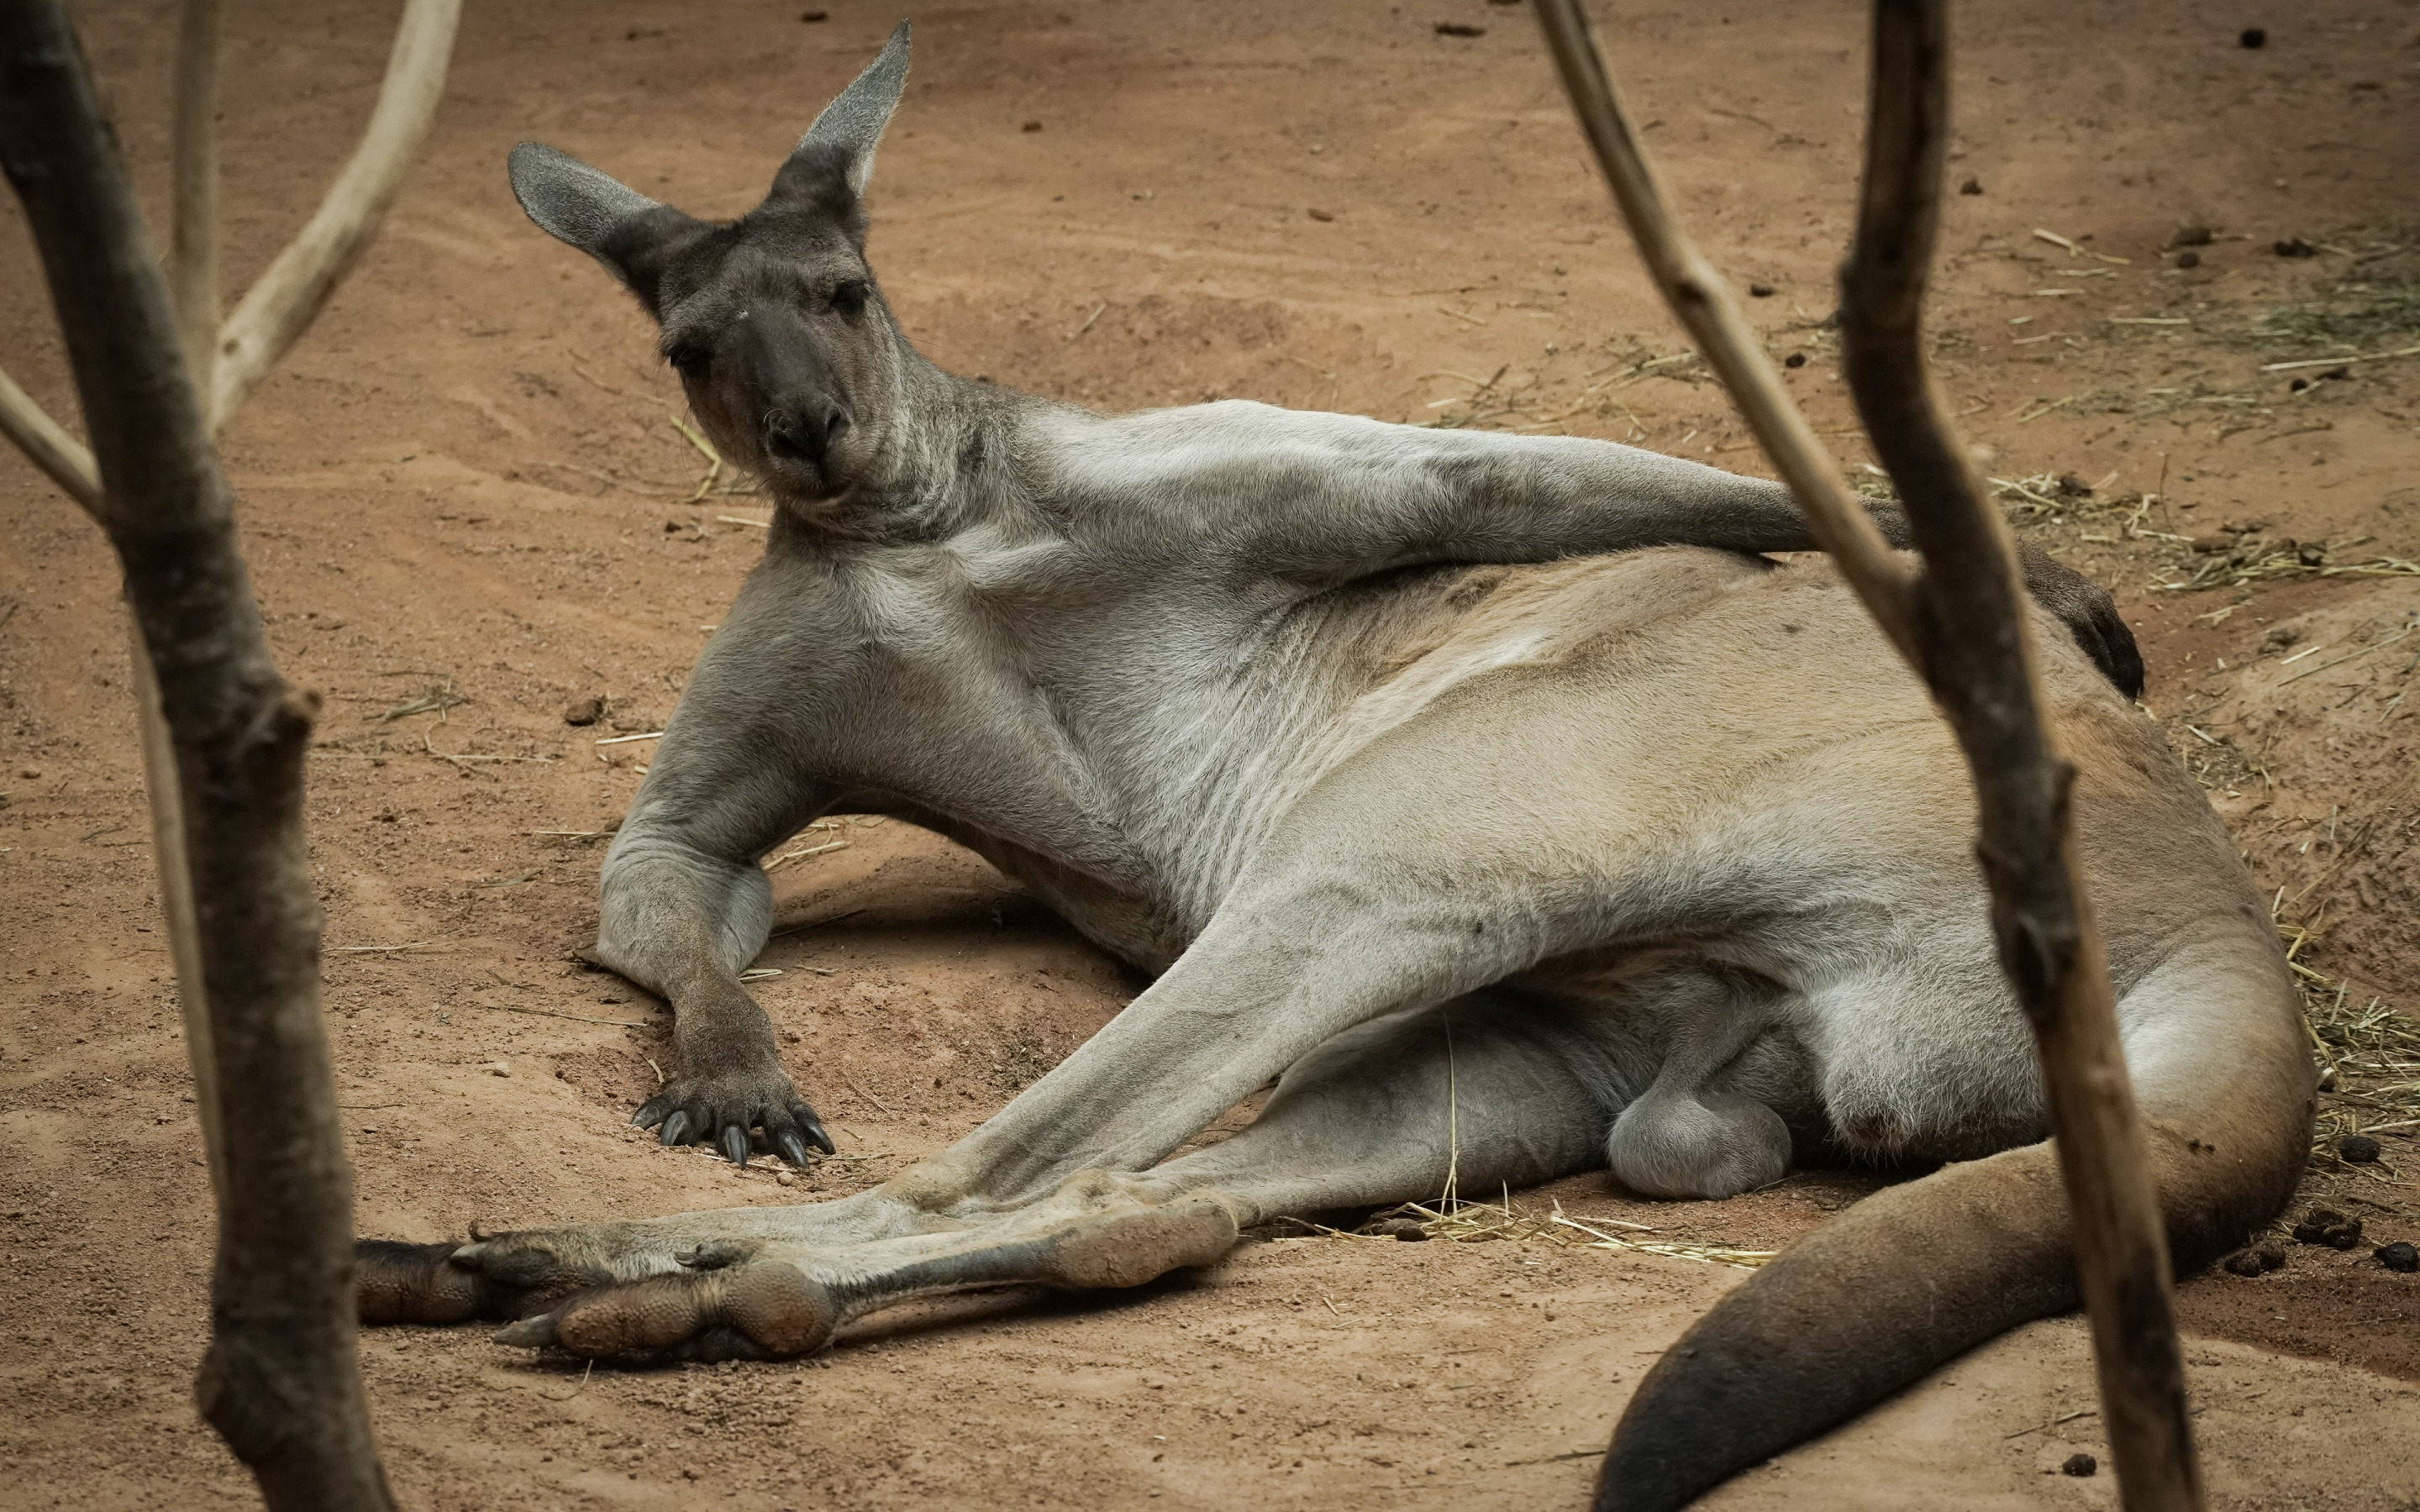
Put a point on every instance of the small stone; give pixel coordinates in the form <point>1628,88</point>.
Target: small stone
<point>2254,37</point>
<point>2188,258</point>
<point>497,1068</point>
<point>811,17</point>
<point>784,1179</point>
<point>1759,291</point>
<point>1031,126</point>
<point>2360,1148</point>
<point>1318,214</point>
<point>2399,1255</point>
<point>29,773</point>
<point>584,711</point>
<point>1971,186</point>
<point>2191,233</point>
<point>2080,1465</point>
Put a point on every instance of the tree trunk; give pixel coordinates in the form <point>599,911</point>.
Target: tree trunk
<point>281,1381</point>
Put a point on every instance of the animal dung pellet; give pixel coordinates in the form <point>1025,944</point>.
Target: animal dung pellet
<point>2079,1465</point>
<point>2360,1148</point>
<point>585,711</point>
<point>2325,1226</point>
<point>2258,1260</point>
<point>2399,1255</point>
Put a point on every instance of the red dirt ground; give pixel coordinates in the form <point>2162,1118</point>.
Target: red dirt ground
<point>466,478</point>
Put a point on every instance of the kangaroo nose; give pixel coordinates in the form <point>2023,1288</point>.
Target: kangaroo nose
<point>805,434</point>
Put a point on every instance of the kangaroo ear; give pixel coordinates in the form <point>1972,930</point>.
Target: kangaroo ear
<point>583,207</point>
<point>570,201</point>
<point>851,126</point>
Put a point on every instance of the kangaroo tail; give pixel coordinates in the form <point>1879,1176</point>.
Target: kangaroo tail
<point>1917,1274</point>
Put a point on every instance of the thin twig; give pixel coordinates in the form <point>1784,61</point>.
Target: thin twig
<point>549,1012</point>
<point>2340,362</point>
<point>862,1092</point>
<point>193,248</point>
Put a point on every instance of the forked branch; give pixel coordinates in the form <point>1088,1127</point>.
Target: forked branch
<point>1961,623</point>
<point>224,753</point>
<point>282,303</point>
<point>227,362</point>
<point>1712,317</point>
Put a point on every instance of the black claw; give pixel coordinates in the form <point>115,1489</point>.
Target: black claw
<point>791,1148</point>
<point>815,1136</point>
<point>734,1144</point>
<point>651,1112</point>
<point>675,1128</point>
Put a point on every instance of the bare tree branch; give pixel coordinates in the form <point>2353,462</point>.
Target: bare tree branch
<point>193,247</point>
<point>281,1381</point>
<point>1961,626</point>
<point>160,786</point>
<point>1980,665</point>
<point>1703,302</point>
<point>275,312</point>
<point>66,460</point>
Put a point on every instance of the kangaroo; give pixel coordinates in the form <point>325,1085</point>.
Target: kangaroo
<point>1406,759</point>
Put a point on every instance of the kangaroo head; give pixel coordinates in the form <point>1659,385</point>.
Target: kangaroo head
<point>791,359</point>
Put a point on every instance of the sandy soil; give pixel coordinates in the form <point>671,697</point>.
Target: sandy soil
<point>465,481</point>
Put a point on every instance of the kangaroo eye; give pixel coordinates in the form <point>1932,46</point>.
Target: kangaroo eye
<point>849,298</point>
<point>689,360</point>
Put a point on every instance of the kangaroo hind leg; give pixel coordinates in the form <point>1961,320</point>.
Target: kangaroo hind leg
<point>1501,1090</point>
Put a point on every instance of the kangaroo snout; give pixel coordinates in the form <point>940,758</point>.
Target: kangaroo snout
<point>804,432</point>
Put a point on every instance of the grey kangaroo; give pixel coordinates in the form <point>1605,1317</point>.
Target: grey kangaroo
<point>1353,732</point>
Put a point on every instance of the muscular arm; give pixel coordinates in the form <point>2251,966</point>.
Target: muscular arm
<point>1320,498</point>
<point>1298,494</point>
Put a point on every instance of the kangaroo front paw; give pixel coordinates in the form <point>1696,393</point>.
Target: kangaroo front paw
<point>719,1109</point>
